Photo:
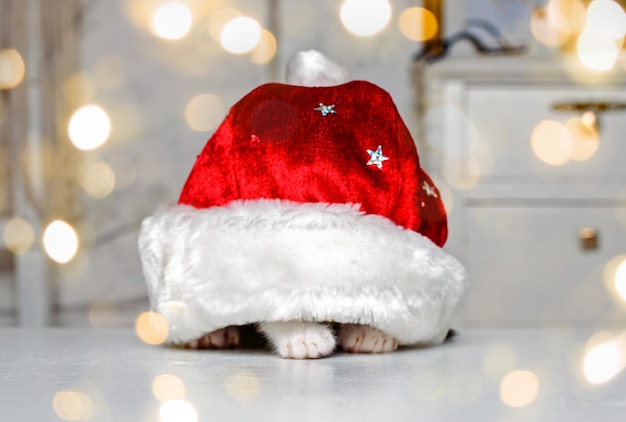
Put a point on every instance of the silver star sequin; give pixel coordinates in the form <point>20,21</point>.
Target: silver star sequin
<point>430,190</point>
<point>376,157</point>
<point>325,110</point>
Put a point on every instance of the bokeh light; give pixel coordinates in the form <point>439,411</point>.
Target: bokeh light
<point>98,179</point>
<point>18,235</point>
<point>603,362</point>
<point>544,32</point>
<point>552,143</point>
<point>221,18</point>
<point>168,387</point>
<point>151,328</point>
<point>89,127</point>
<point>72,406</point>
<point>418,24</point>
<point>615,278</point>
<point>240,35</point>
<point>597,49</point>
<point>602,38</point>
<point>566,16</point>
<point>608,16</point>
<point>519,388</point>
<point>171,21</point>
<point>620,280</point>
<point>178,411</point>
<point>60,241</point>
<point>204,112</point>
<point>12,68</point>
<point>365,17</point>
<point>584,135</point>
<point>242,386</point>
<point>265,50</point>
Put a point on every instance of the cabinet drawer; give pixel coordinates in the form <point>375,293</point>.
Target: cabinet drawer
<point>504,117</point>
<point>529,268</point>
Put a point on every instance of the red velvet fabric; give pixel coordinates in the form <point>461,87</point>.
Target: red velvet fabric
<point>274,144</point>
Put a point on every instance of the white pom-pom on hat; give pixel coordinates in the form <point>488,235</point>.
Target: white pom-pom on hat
<point>312,68</point>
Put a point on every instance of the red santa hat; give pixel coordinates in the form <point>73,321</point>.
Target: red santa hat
<point>308,203</point>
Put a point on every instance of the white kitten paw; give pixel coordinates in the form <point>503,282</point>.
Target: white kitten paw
<point>299,340</point>
<point>219,339</point>
<point>357,338</point>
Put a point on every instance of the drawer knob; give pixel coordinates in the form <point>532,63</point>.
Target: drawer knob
<point>588,238</point>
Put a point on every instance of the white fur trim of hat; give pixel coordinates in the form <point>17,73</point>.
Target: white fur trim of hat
<point>273,260</point>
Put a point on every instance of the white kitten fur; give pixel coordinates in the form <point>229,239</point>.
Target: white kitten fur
<point>298,339</point>
<point>358,338</point>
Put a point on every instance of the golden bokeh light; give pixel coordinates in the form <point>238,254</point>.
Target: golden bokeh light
<point>204,112</point>
<point>89,127</point>
<point>418,24</point>
<point>171,21</point>
<point>221,18</point>
<point>151,328</point>
<point>12,68</point>
<point>600,42</point>
<point>597,49</point>
<point>603,362</point>
<point>98,179</point>
<point>544,32</point>
<point>365,17</point>
<point>566,16</point>
<point>620,280</point>
<point>615,278</point>
<point>265,50</point>
<point>552,143</point>
<point>72,406</point>
<point>240,35</point>
<point>177,411</point>
<point>242,386</point>
<point>519,388</point>
<point>60,241</point>
<point>590,119</point>
<point>18,235</point>
<point>585,138</point>
<point>607,16</point>
<point>168,387</point>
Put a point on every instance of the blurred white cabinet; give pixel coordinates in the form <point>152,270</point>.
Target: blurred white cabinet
<point>537,239</point>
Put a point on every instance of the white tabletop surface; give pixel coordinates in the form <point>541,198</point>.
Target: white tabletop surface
<point>108,375</point>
